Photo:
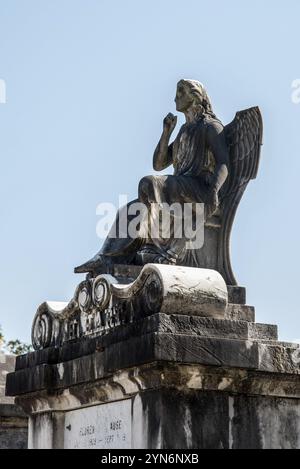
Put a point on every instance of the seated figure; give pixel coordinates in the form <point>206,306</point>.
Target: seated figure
<point>212,166</point>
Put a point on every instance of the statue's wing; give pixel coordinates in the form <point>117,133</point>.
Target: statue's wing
<point>244,138</point>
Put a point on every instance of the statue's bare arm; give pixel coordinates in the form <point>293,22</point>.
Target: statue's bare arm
<point>218,145</point>
<point>163,154</point>
<point>219,148</point>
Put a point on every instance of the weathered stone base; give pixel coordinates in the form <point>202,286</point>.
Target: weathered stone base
<point>167,406</point>
<point>13,427</point>
<point>165,382</point>
<point>13,422</point>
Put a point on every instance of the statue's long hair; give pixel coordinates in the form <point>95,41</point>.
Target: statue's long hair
<point>202,100</point>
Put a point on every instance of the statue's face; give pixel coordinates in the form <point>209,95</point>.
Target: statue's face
<point>184,98</point>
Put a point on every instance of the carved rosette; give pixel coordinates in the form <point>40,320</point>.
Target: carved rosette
<point>46,328</point>
<point>102,291</point>
<point>84,296</point>
<point>152,293</point>
<point>42,330</point>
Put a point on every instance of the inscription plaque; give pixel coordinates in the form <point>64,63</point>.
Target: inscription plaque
<point>106,426</point>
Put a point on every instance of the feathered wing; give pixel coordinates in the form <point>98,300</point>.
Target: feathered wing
<point>244,138</point>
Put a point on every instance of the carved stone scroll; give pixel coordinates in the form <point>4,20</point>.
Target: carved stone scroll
<point>102,304</point>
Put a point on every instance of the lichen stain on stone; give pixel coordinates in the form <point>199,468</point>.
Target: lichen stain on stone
<point>187,427</point>
<point>195,381</point>
<point>61,370</point>
<point>225,383</point>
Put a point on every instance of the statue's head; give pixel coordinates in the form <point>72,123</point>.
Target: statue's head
<point>192,94</point>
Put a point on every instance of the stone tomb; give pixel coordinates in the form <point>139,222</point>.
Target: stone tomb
<point>133,361</point>
<point>13,421</point>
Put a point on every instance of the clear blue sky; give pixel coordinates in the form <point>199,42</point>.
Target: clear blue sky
<point>88,84</point>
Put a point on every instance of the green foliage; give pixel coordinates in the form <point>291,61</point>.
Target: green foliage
<point>14,347</point>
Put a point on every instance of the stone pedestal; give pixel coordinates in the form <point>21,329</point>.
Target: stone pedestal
<point>165,381</point>
<point>13,421</point>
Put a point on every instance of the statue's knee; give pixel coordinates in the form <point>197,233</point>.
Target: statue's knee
<point>168,189</point>
<point>146,189</point>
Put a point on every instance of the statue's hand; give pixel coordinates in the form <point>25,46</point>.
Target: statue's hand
<point>170,122</point>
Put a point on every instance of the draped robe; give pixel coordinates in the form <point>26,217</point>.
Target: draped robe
<point>198,151</point>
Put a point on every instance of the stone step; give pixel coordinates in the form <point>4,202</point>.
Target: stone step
<point>236,312</point>
<point>219,328</point>
<point>76,367</point>
<point>193,326</point>
<point>277,343</point>
<point>263,332</point>
<point>236,295</point>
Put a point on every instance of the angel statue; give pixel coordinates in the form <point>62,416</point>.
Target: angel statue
<point>212,166</point>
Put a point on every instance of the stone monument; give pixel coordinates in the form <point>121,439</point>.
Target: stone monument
<point>157,349</point>
<point>13,421</point>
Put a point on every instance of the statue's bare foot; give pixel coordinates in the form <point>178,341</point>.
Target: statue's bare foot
<point>96,266</point>
<point>149,255</point>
